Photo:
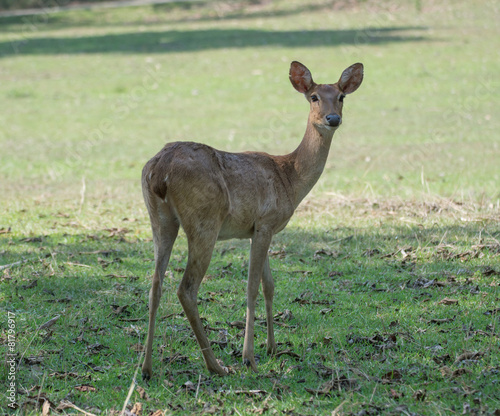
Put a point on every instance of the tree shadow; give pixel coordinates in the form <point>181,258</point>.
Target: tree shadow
<point>103,272</point>
<point>382,243</point>
<point>175,41</point>
<point>162,13</point>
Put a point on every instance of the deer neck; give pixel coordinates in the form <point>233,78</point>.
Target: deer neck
<point>309,160</point>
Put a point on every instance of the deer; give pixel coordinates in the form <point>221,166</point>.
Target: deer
<point>216,195</point>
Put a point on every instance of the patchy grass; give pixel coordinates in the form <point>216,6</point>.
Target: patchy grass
<point>387,278</point>
<point>383,308</point>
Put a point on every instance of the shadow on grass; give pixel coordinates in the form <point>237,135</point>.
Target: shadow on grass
<point>98,284</point>
<point>201,11</point>
<point>99,249</point>
<point>102,260</point>
<point>196,40</point>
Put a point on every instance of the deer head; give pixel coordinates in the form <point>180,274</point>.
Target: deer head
<point>326,100</point>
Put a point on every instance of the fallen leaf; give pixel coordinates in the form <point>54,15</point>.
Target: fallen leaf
<point>468,356</point>
<point>62,215</point>
<point>377,340</point>
<point>395,394</point>
<point>177,357</point>
<point>493,312</point>
<point>260,411</point>
<point>286,315</point>
<point>30,285</point>
<point>32,239</point>
<point>304,297</point>
<point>327,340</point>
<point>113,232</point>
<point>117,310</point>
<point>137,347</point>
<point>448,372</point>
<point>129,219</point>
<point>422,282</point>
<point>489,271</point>
<point>68,375</point>
<point>318,254</point>
<point>419,395</point>
<point>142,393</point>
<point>278,253</point>
<point>49,323</point>
<point>442,359</point>
<point>103,252</point>
<point>95,348</point>
<point>62,300</point>
<point>448,301</point>
<point>122,276</point>
<point>99,368</point>
<point>64,404</point>
<point>40,400</point>
<point>210,410</point>
<point>371,252</point>
<point>136,409</point>
<point>77,264</point>
<point>251,393</point>
<point>441,320</point>
<point>288,352</point>
<point>85,388</point>
<point>33,359</point>
<point>105,263</point>
<point>45,408</point>
<point>393,375</point>
<point>341,383</point>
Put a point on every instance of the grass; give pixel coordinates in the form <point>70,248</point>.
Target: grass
<point>387,280</point>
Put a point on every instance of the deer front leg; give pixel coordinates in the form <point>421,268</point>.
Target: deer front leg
<point>268,289</point>
<point>258,255</point>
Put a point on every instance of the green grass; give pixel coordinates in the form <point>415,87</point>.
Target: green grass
<point>406,214</point>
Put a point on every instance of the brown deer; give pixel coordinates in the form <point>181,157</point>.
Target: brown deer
<point>216,195</point>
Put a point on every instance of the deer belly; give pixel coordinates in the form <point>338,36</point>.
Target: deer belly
<point>234,229</point>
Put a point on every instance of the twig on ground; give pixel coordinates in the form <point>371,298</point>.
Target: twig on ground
<point>16,263</point>
<point>69,404</point>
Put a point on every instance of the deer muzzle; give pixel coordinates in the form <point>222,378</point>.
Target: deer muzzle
<point>333,120</point>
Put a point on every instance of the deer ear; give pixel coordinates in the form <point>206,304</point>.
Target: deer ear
<point>351,78</point>
<point>300,77</point>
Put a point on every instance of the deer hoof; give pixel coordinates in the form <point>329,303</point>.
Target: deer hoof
<point>250,364</point>
<point>221,372</point>
<point>272,350</point>
<point>218,369</point>
<point>146,375</point>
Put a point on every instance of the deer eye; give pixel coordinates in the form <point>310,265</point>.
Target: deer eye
<point>314,98</point>
<point>341,98</point>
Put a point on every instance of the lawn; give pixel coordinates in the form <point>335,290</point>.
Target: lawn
<point>387,278</point>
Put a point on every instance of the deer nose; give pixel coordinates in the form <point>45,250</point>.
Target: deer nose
<point>333,120</point>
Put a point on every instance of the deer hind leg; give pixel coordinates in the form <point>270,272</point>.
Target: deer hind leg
<point>268,289</point>
<point>201,244</point>
<point>258,255</point>
<point>165,229</point>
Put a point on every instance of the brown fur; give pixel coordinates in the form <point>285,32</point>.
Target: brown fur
<point>216,195</point>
